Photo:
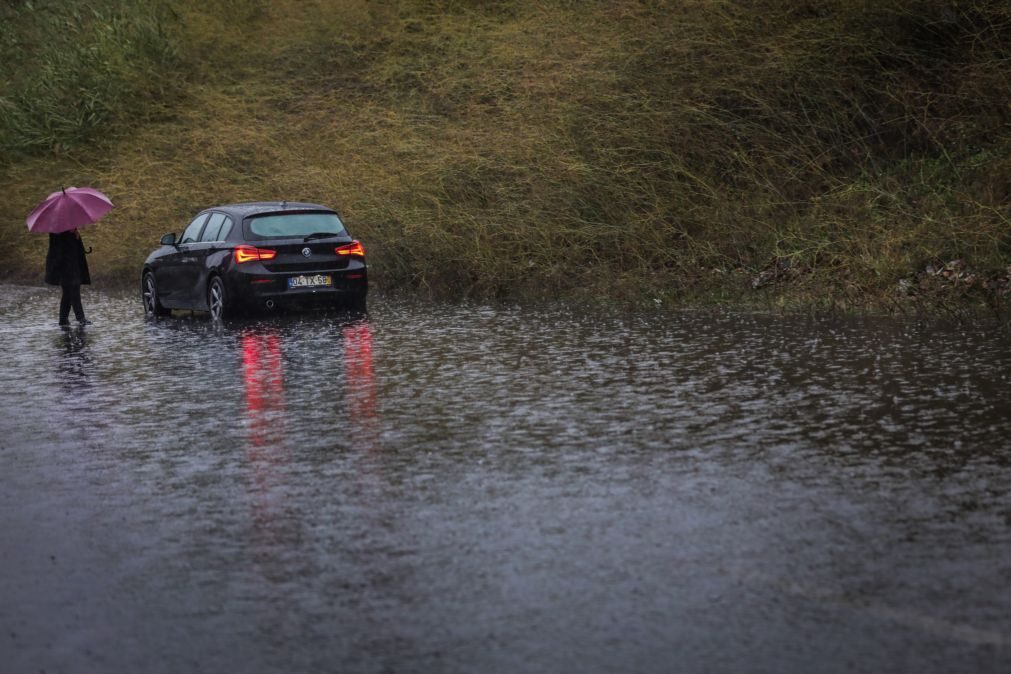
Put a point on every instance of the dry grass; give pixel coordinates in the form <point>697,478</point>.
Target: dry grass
<point>629,150</point>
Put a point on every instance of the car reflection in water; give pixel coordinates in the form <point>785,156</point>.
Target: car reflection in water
<point>279,528</point>
<point>268,455</point>
<point>285,544</point>
<point>269,431</point>
<point>360,385</point>
<point>263,380</point>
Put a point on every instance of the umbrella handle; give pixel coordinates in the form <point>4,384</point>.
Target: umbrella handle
<point>88,251</point>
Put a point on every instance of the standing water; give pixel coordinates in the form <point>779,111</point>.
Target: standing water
<point>473,488</point>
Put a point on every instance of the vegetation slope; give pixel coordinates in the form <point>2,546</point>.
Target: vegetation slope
<point>824,151</point>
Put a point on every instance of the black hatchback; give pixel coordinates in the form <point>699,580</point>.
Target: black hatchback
<point>262,255</point>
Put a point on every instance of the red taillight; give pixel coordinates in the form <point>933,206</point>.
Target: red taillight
<point>354,249</point>
<point>249,253</point>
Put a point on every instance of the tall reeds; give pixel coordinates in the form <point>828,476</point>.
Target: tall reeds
<point>74,71</point>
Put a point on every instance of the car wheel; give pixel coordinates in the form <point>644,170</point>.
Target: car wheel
<point>355,303</point>
<point>217,299</point>
<point>149,295</point>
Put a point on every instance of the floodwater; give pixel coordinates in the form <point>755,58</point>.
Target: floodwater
<point>470,488</point>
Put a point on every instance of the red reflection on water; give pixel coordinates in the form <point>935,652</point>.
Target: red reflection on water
<point>263,379</point>
<point>274,529</point>
<point>360,391</point>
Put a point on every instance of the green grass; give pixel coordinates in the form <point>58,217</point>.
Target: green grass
<point>73,69</point>
<point>622,151</point>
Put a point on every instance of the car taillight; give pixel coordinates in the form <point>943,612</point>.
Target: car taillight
<point>249,253</point>
<point>354,249</point>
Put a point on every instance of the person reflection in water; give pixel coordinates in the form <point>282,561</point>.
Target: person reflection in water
<point>67,267</point>
<point>75,365</point>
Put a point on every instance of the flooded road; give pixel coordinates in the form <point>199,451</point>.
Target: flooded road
<point>490,489</point>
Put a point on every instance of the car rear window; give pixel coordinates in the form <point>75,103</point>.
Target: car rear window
<point>287,225</point>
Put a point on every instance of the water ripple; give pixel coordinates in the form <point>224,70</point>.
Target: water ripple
<point>490,488</point>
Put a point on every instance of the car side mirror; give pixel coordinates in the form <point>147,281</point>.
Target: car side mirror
<point>168,240</point>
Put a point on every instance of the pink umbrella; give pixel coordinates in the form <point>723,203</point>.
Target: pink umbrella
<point>68,209</point>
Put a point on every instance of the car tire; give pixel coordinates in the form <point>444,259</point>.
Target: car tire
<point>217,299</point>
<point>149,296</point>
<point>355,302</point>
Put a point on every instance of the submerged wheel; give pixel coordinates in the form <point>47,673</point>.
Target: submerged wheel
<point>355,303</point>
<point>149,295</point>
<point>217,299</point>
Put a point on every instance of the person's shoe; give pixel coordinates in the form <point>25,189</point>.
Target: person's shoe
<point>84,321</point>
<point>64,323</point>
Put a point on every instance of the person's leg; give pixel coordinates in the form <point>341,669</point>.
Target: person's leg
<point>75,302</point>
<point>65,301</point>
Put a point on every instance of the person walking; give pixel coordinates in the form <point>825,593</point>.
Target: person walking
<point>60,215</point>
<point>67,267</point>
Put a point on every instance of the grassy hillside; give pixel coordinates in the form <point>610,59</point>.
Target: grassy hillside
<point>696,150</point>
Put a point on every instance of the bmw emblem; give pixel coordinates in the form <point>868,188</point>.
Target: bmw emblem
<point>306,252</point>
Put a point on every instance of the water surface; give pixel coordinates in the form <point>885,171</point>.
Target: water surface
<point>444,488</point>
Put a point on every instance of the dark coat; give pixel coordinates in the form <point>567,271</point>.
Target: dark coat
<point>65,261</point>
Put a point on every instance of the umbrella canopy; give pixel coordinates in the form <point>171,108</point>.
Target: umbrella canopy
<point>68,209</point>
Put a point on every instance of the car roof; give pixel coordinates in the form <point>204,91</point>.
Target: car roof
<point>249,208</point>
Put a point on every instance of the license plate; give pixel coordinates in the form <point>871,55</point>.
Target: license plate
<point>315,281</point>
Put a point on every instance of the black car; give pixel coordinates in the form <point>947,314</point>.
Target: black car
<point>250,256</point>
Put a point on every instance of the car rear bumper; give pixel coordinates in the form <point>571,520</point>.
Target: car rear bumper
<point>254,287</point>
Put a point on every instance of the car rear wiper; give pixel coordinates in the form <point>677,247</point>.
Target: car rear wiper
<point>320,235</point>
